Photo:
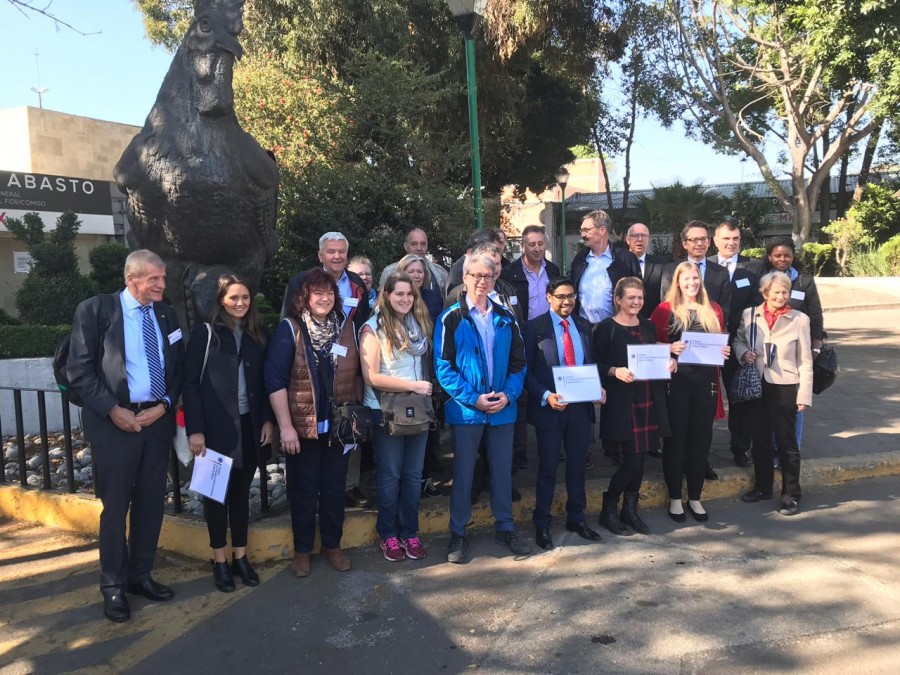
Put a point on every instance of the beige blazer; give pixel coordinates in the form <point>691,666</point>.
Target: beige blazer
<point>793,362</point>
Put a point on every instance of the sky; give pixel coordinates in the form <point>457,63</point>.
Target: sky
<point>114,73</point>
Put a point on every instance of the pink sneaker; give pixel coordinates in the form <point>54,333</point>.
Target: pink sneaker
<point>391,549</point>
<point>413,547</point>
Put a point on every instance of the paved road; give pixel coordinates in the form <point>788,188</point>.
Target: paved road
<point>750,591</point>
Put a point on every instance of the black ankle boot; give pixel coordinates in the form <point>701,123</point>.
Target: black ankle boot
<point>629,515</point>
<point>222,575</point>
<point>609,518</point>
<point>241,568</point>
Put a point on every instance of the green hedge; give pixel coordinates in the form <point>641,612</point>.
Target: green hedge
<point>21,342</point>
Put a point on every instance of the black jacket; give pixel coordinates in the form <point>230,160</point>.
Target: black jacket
<point>514,275</point>
<point>653,270</point>
<point>624,264</point>
<point>744,288</point>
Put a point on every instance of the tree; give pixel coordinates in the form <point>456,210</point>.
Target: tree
<point>107,263</point>
<point>747,73</point>
<point>54,286</point>
<point>751,214</point>
<point>669,208</point>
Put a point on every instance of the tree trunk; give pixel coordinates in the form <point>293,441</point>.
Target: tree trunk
<point>842,196</point>
<point>825,190</point>
<point>628,143</point>
<point>609,201</point>
<point>868,155</point>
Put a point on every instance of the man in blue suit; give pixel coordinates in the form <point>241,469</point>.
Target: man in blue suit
<point>558,338</point>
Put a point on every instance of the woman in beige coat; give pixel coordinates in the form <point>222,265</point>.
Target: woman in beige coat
<point>775,338</point>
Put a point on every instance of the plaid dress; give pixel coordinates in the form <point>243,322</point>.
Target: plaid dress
<point>644,423</point>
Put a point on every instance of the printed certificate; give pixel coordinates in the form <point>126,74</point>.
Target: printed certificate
<point>577,384</point>
<point>649,362</point>
<point>703,349</point>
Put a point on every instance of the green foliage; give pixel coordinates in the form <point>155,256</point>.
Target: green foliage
<point>6,319</point>
<point>670,208</point>
<point>755,253</point>
<point>750,213</point>
<point>107,265</point>
<point>814,257</point>
<point>847,236</point>
<point>24,342</point>
<point>869,262</point>
<point>878,212</point>
<point>54,286</point>
<point>891,251</point>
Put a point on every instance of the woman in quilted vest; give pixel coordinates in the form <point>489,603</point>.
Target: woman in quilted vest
<point>394,356</point>
<point>312,362</point>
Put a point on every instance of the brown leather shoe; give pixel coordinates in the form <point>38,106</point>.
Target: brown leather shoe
<point>300,565</point>
<point>337,558</point>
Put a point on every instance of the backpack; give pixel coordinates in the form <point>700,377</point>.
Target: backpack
<point>61,356</point>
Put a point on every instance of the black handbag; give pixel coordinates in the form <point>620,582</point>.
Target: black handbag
<point>352,424</point>
<point>825,369</point>
<point>747,382</point>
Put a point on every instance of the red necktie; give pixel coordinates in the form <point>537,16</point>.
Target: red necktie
<point>568,345</point>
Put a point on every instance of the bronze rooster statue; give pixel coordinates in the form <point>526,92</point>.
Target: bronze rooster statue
<point>201,191</point>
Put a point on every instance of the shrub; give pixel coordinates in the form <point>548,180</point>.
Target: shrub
<point>878,212</point>
<point>755,253</point>
<point>847,236</point>
<point>21,342</point>
<point>6,319</point>
<point>891,251</point>
<point>107,263</point>
<point>814,257</point>
<point>869,262</point>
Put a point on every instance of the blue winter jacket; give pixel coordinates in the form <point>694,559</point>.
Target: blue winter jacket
<point>461,368</point>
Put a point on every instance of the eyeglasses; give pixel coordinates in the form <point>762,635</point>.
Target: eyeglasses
<point>483,278</point>
<point>698,240</point>
<point>638,236</point>
<point>586,230</point>
<point>565,298</point>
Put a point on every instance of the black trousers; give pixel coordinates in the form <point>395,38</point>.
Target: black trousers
<point>630,475</point>
<point>130,471</point>
<point>776,412</point>
<point>316,476</point>
<point>573,429</point>
<point>236,508</point>
<point>739,421</point>
<point>693,393</point>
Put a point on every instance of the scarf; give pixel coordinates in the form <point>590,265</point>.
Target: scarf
<point>772,317</point>
<point>322,335</point>
<point>418,345</point>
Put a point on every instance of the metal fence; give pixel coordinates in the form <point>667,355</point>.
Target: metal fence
<point>46,481</point>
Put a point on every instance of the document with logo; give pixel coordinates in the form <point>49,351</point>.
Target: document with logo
<point>703,349</point>
<point>211,472</point>
<point>649,362</point>
<point>577,384</point>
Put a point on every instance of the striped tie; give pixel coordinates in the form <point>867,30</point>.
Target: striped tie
<point>151,346</point>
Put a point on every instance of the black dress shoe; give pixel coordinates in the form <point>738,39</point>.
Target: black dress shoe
<point>241,567</point>
<point>222,575</point>
<point>755,495</point>
<point>151,590</point>
<point>677,517</point>
<point>516,495</point>
<point>542,538</point>
<point>699,517</point>
<point>655,452</point>
<point>789,507</point>
<point>711,473</point>
<point>115,608</point>
<point>742,459</point>
<point>583,531</point>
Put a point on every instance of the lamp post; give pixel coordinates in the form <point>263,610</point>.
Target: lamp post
<point>466,13</point>
<point>562,179</point>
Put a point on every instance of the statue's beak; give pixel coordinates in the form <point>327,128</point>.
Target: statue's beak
<point>230,44</point>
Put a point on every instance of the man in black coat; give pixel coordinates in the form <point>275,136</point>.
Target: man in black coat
<point>744,274</point>
<point>486,235</point>
<point>638,240</point>
<point>695,239</point>
<point>597,268</point>
<point>125,362</point>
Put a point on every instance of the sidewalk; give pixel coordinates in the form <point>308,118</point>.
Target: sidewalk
<point>851,432</point>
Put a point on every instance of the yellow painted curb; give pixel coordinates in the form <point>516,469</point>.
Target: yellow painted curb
<point>271,538</point>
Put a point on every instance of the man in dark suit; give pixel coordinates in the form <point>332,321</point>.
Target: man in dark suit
<point>125,360</point>
<point>695,239</point>
<point>558,337</point>
<point>638,240</point>
<point>744,274</point>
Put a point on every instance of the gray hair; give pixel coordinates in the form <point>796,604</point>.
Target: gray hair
<point>599,218</point>
<point>482,260</point>
<point>138,260</point>
<point>486,249</point>
<point>772,278</point>
<point>332,236</point>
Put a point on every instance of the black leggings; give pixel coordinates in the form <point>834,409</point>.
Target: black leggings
<point>236,508</point>
<point>631,474</point>
<point>692,402</point>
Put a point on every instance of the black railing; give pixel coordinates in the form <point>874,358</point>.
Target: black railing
<point>46,480</point>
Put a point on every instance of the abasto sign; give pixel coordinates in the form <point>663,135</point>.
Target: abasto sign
<point>50,196</point>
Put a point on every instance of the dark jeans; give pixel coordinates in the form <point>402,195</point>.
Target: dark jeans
<point>400,460</point>
<point>574,430</point>
<point>236,508</point>
<point>316,476</point>
<point>776,413</point>
<point>520,431</point>
<point>466,439</point>
<point>692,407</point>
<point>630,475</point>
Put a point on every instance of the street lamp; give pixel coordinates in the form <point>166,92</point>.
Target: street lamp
<point>562,179</point>
<point>466,13</point>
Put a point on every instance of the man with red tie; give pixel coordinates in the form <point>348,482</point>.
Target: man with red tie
<point>557,338</point>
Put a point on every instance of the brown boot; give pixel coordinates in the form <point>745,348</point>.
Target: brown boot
<point>337,558</point>
<point>300,565</point>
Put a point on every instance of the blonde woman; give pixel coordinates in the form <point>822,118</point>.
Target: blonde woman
<point>694,395</point>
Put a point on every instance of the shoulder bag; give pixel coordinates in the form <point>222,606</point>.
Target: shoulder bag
<point>405,412</point>
<point>747,382</point>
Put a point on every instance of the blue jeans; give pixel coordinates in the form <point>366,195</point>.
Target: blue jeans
<point>499,440</point>
<point>399,461</point>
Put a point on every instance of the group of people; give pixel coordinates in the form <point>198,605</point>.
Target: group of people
<point>480,340</point>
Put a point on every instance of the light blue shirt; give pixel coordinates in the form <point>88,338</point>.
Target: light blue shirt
<point>137,370</point>
<point>537,290</point>
<point>484,323</point>
<point>595,288</point>
<point>702,265</point>
<point>346,291</point>
<point>576,343</point>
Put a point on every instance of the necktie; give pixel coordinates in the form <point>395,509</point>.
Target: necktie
<point>700,268</point>
<point>727,265</point>
<point>641,263</point>
<point>568,345</point>
<point>151,347</point>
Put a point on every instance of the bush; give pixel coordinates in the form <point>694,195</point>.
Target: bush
<point>814,257</point>
<point>22,342</point>
<point>754,253</point>
<point>878,212</point>
<point>6,319</point>
<point>107,263</point>
<point>869,262</point>
<point>848,236</point>
<point>891,251</point>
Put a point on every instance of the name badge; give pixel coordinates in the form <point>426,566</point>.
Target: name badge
<point>350,302</point>
<point>798,295</point>
<point>174,336</point>
<point>513,300</point>
<point>338,350</point>
<point>742,283</point>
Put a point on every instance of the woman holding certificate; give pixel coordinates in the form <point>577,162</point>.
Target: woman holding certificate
<point>634,415</point>
<point>694,395</point>
<point>226,410</point>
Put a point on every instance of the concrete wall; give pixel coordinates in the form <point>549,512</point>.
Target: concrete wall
<point>15,153</point>
<point>31,374</point>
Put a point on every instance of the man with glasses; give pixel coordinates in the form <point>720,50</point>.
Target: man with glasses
<point>479,361</point>
<point>651,266</point>
<point>598,267</point>
<point>558,338</point>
